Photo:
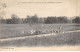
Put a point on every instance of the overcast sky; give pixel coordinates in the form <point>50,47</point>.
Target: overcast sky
<point>22,8</point>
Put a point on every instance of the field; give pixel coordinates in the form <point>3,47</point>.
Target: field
<point>15,30</point>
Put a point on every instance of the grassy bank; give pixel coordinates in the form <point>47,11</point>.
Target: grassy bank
<point>58,40</point>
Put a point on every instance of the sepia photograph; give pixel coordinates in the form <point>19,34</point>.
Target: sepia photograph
<point>40,25</point>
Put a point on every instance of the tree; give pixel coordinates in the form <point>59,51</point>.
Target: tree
<point>50,20</point>
<point>55,19</point>
<point>32,19</point>
<point>63,19</point>
<point>3,21</point>
<point>76,20</point>
<point>9,21</point>
<point>15,19</point>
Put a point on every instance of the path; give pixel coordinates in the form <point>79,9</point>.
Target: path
<point>16,38</point>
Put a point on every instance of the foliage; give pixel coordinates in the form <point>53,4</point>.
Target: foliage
<point>35,20</point>
<point>76,20</point>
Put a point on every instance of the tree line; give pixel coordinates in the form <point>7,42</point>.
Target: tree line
<point>35,19</point>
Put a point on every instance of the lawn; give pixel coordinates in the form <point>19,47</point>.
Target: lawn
<point>15,30</point>
<point>12,30</point>
<point>57,40</point>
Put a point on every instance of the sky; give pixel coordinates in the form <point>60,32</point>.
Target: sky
<point>58,8</point>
